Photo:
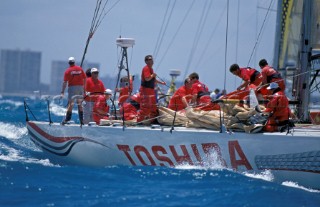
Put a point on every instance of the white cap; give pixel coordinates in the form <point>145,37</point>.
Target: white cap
<point>94,70</point>
<point>273,85</point>
<point>213,96</point>
<point>108,91</point>
<point>71,59</point>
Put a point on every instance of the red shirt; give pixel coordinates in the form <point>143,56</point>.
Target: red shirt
<point>176,100</point>
<point>267,71</point>
<point>94,86</point>
<point>279,105</point>
<point>146,72</point>
<point>74,75</point>
<point>100,104</point>
<point>198,88</point>
<point>246,73</point>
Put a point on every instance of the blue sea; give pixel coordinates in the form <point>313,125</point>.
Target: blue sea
<point>27,178</point>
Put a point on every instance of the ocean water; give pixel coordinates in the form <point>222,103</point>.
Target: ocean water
<point>27,178</point>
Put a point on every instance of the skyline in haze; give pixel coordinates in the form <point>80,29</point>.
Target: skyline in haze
<point>60,29</point>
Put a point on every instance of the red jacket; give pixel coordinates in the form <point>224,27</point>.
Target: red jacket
<point>251,75</point>
<point>279,107</point>
<point>103,107</point>
<point>202,92</point>
<point>176,100</point>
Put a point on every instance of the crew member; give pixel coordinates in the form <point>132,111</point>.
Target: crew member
<point>94,88</point>
<point>126,87</point>
<point>100,107</point>
<point>269,75</point>
<point>75,78</point>
<point>181,97</point>
<point>250,76</point>
<point>200,92</point>
<point>277,109</point>
<point>148,105</point>
<point>130,107</point>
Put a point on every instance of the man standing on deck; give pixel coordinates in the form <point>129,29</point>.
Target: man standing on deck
<point>148,105</point>
<point>75,78</point>
<point>94,88</point>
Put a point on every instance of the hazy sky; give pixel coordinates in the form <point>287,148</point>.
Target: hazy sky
<point>60,28</point>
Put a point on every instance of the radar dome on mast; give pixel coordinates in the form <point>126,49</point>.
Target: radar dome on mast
<point>125,42</point>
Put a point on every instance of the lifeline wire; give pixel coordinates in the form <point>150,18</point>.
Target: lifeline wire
<point>255,45</point>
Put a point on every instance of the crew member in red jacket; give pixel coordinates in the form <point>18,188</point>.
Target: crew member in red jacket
<point>131,107</point>
<point>100,107</point>
<point>125,90</point>
<point>148,105</point>
<point>94,88</point>
<point>277,109</point>
<point>250,76</point>
<point>75,78</point>
<point>269,75</point>
<point>181,97</point>
<point>200,92</point>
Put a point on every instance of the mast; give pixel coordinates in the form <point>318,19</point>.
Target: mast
<point>278,35</point>
<point>304,63</point>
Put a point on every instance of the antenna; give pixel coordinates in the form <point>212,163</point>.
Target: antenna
<point>124,43</point>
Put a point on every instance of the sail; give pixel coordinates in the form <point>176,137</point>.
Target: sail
<point>297,40</point>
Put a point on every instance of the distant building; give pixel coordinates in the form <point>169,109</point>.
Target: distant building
<point>20,71</point>
<point>57,72</point>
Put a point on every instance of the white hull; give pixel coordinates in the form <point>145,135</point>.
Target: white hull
<point>293,157</point>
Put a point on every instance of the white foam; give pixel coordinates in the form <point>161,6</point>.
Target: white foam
<point>295,185</point>
<point>212,161</point>
<point>16,104</point>
<point>264,175</point>
<point>11,131</point>
<point>14,155</point>
<point>59,110</point>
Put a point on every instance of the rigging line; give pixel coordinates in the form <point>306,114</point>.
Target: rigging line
<point>237,40</point>
<point>161,28</point>
<point>226,49</point>
<point>96,11</point>
<point>100,14</point>
<point>255,45</point>
<point>90,32</point>
<point>219,49</point>
<point>165,28</point>
<point>176,33</point>
<point>210,38</point>
<point>195,40</point>
<point>95,24</point>
<point>107,12</point>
